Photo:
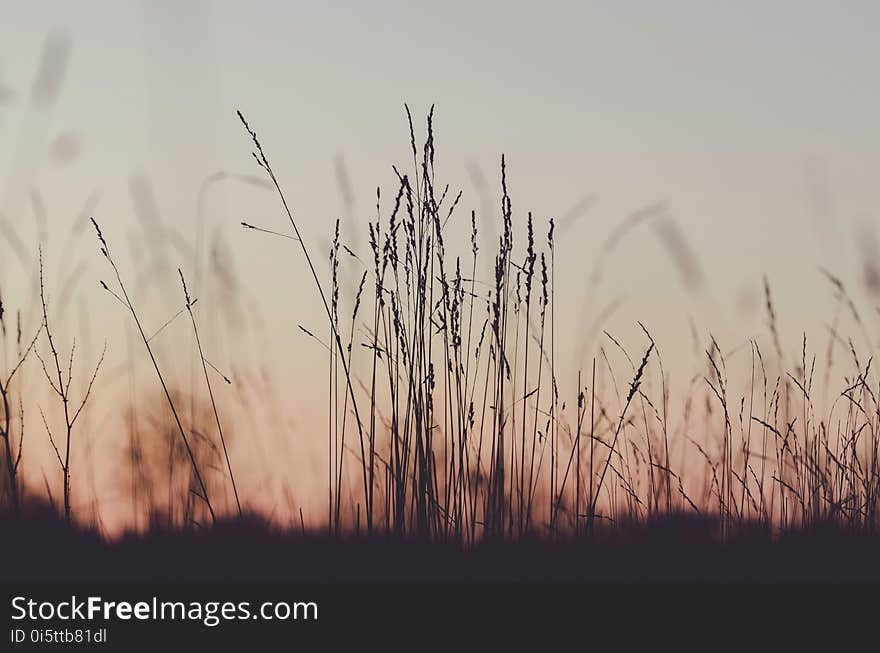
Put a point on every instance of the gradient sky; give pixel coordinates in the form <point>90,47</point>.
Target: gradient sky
<point>754,123</point>
<point>729,112</point>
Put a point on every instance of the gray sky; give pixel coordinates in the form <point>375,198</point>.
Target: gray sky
<point>754,122</point>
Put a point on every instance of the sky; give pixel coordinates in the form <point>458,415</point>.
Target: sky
<point>752,124</point>
<point>728,112</point>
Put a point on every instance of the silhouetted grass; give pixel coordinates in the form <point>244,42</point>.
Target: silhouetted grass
<point>673,547</point>
<point>447,377</point>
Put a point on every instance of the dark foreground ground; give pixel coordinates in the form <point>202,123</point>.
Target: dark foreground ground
<point>675,549</point>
